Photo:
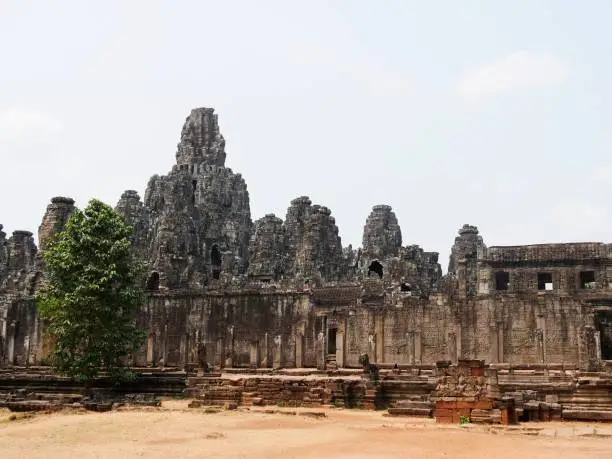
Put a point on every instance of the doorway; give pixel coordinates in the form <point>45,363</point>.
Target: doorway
<point>604,325</point>
<point>331,340</point>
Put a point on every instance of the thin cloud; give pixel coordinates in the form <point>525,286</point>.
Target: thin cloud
<point>20,124</point>
<point>576,216</point>
<point>520,70</point>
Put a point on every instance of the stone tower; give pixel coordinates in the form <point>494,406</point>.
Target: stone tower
<point>54,220</point>
<point>195,223</point>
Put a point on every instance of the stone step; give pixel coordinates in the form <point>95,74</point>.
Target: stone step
<point>587,415</point>
<point>410,411</point>
<point>413,404</point>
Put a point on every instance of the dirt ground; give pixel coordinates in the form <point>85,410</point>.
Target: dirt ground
<point>177,432</point>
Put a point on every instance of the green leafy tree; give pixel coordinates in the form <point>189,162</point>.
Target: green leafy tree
<point>92,295</point>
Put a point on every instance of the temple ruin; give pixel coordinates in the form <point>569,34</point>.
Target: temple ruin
<point>284,293</point>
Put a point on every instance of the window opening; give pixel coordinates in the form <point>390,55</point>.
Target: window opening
<point>587,279</point>
<point>153,281</point>
<point>375,267</point>
<point>502,280</point>
<point>545,281</point>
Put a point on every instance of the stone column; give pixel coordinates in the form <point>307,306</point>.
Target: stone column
<point>451,347</point>
<point>500,342</point>
<point>150,355</point>
<point>164,346</point>
<point>540,335</point>
<point>220,353</point>
<point>459,348</point>
<point>278,351</point>
<point>254,355</point>
<point>229,351</point>
<point>539,345</point>
<point>320,351</point>
<point>299,351</point>
<point>183,349</point>
<point>10,348</point>
<point>418,348</point>
<point>372,351</point>
<point>494,343</point>
<point>265,362</point>
<point>410,346</point>
<point>340,349</point>
<point>380,338</point>
<point>26,346</point>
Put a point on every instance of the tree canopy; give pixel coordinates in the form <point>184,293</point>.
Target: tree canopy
<point>93,292</point>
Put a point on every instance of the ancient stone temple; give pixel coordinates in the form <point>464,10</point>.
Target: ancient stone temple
<point>283,292</point>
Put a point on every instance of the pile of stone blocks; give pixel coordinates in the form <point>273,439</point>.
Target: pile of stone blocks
<point>468,392</point>
<point>283,391</point>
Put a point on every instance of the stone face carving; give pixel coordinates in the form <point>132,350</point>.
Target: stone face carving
<point>467,244</point>
<point>319,255</point>
<point>268,249</point>
<point>22,272</point>
<point>306,245</point>
<point>410,268</point>
<point>201,142</point>
<point>382,235</point>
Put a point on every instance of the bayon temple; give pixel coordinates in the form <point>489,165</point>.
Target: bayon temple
<point>284,293</point>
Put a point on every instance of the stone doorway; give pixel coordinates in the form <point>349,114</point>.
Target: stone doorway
<point>331,341</point>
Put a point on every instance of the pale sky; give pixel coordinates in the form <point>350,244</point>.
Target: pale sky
<point>493,113</point>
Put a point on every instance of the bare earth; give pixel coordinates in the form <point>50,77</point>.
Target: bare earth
<point>176,432</point>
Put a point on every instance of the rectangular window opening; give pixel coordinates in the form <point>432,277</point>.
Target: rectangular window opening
<point>545,281</point>
<point>502,280</point>
<point>587,279</point>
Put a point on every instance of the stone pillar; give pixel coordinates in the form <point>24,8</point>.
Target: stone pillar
<point>229,351</point>
<point>183,349</point>
<point>265,362</point>
<point>372,345</point>
<point>540,336</point>
<point>451,347</point>
<point>278,352</point>
<point>254,355</point>
<point>418,347</point>
<point>165,346</point>
<point>320,351</point>
<point>459,348</point>
<point>410,346</point>
<point>10,348</point>
<point>220,353</point>
<point>494,343</point>
<point>380,338</point>
<point>26,346</point>
<point>500,342</point>
<point>539,345</point>
<point>340,349</point>
<point>150,344</point>
<point>299,351</point>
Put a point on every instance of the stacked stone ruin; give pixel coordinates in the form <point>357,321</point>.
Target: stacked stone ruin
<point>229,292</point>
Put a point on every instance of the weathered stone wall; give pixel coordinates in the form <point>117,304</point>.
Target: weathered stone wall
<point>231,329</point>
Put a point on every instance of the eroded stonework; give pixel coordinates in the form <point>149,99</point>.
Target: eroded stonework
<point>280,292</point>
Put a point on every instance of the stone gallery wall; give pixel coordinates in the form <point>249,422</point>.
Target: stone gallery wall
<point>227,291</point>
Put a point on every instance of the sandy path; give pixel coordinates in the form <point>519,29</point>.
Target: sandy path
<point>179,433</point>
